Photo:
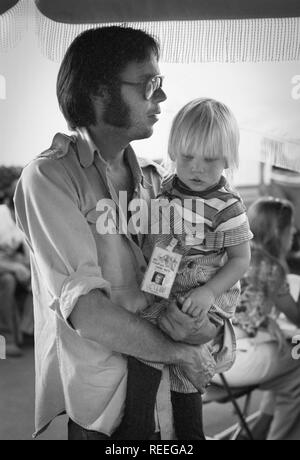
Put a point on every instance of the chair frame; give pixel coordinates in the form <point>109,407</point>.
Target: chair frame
<point>233,432</point>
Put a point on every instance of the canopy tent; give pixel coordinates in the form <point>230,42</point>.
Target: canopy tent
<point>190,31</point>
<point>97,11</point>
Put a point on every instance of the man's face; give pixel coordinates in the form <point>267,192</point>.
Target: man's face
<point>128,108</point>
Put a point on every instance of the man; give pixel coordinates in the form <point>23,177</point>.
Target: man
<point>87,284</point>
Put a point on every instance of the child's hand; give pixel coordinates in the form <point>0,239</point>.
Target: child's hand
<point>200,299</point>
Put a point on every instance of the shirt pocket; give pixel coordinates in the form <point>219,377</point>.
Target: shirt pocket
<point>116,259</point>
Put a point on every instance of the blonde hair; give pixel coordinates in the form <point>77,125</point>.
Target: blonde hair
<point>207,127</point>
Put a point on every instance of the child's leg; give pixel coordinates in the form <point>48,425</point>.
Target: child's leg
<point>188,418</point>
<point>142,386</point>
<point>186,402</point>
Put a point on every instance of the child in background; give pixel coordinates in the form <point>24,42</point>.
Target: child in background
<point>203,143</point>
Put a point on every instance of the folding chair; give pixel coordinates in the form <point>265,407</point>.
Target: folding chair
<point>225,394</point>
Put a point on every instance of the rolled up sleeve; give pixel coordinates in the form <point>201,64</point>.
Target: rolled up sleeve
<point>80,284</point>
<point>62,244</point>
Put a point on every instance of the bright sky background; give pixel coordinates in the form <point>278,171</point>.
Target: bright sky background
<point>258,94</point>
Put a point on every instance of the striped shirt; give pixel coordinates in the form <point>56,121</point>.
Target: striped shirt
<point>205,223</point>
<point>208,221</point>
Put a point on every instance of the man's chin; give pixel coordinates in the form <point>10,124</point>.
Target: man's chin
<point>143,134</point>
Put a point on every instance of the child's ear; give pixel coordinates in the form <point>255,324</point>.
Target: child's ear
<point>172,156</point>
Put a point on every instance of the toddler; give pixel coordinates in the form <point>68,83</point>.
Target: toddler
<point>213,237</point>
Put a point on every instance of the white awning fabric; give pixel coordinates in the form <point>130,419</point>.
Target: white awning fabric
<point>197,31</point>
<point>244,40</point>
<point>13,23</point>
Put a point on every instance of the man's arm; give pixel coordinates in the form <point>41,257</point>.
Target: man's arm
<point>96,318</point>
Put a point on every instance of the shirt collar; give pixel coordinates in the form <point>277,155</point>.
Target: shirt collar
<point>173,182</point>
<point>87,151</point>
<point>86,148</point>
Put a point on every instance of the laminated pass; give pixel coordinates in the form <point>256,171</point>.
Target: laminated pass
<point>162,270</point>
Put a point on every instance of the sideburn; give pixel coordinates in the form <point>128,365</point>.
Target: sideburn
<point>116,112</point>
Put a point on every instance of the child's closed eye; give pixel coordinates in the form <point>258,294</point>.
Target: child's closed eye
<point>211,160</point>
<point>187,157</point>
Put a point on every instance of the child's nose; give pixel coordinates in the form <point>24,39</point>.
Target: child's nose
<point>198,168</point>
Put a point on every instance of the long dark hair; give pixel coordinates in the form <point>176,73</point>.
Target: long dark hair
<point>268,218</point>
<point>97,56</point>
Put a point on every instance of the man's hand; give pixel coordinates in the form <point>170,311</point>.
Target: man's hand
<point>183,328</point>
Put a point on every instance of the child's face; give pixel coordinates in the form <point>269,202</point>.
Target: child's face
<point>199,173</point>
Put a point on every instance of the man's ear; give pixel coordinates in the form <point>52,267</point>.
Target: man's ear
<point>226,163</point>
<point>101,95</point>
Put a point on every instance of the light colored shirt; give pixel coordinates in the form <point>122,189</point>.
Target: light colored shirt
<point>56,202</point>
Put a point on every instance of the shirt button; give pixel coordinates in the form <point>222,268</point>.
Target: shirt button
<point>143,269</point>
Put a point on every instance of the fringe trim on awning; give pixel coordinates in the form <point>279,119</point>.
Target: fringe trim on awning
<point>13,24</point>
<point>248,40</point>
<point>240,40</point>
<point>283,154</point>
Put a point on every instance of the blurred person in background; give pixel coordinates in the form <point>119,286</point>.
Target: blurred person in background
<point>16,316</point>
<point>285,184</point>
<point>264,356</point>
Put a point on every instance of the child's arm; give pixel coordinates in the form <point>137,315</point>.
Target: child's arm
<point>234,269</point>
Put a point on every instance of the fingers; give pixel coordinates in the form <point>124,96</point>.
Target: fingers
<point>202,317</point>
<point>194,311</point>
<point>189,308</point>
<point>176,324</point>
<point>176,315</point>
<point>187,305</point>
